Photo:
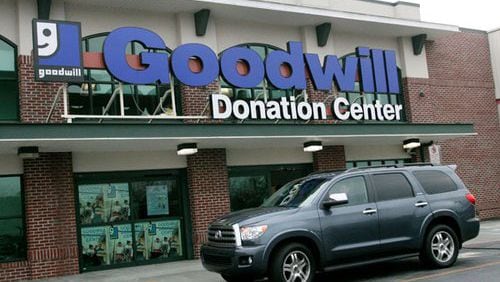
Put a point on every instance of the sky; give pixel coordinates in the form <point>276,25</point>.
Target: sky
<point>475,14</point>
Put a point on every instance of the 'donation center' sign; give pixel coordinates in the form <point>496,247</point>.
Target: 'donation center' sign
<point>58,57</point>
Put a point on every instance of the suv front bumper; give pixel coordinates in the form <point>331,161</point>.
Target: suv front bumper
<point>227,260</point>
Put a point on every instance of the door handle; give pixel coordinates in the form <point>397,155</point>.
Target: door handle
<point>369,211</point>
<point>421,204</point>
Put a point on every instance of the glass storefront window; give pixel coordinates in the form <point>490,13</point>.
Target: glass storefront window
<point>264,91</point>
<point>158,239</point>
<point>357,96</point>
<point>155,198</point>
<point>130,218</point>
<point>9,85</point>
<point>92,96</point>
<point>12,231</point>
<point>249,186</point>
<point>102,203</point>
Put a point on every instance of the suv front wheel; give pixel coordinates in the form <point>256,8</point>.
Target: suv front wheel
<point>293,263</point>
<point>440,248</point>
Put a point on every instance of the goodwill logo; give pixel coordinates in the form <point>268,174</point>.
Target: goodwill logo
<point>57,51</point>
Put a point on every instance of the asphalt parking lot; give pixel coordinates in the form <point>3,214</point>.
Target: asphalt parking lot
<point>479,261</point>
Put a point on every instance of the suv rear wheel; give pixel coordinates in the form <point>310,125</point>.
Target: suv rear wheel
<point>440,248</point>
<point>293,263</point>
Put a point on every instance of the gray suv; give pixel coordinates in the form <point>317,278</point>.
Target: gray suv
<point>338,219</point>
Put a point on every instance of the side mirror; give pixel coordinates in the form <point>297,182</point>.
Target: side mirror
<point>335,199</point>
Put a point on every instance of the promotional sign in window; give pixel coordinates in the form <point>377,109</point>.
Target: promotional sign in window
<point>57,51</point>
<point>101,203</point>
<point>157,200</point>
<point>158,239</point>
<point>105,245</point>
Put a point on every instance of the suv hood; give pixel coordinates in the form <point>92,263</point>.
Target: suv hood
<point>255,215</point>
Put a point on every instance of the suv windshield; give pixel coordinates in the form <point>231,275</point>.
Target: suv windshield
<point>294,193</point>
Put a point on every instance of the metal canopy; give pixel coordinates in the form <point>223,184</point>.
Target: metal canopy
<point>140,137</point>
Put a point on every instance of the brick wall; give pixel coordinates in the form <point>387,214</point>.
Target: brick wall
<point>330,158</point>
<point>35,98</point>
<point>208,191</point>
<point>460,89</point>
<point>50,220</point>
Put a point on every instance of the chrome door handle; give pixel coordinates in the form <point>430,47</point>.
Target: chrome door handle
<point>421,204</point>
<point>369,211</point>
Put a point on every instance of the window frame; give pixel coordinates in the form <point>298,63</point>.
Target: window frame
<point>23,218</point>
<point>12,76</point>
<point>404,174</point>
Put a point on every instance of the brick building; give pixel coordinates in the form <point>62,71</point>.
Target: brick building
<point>89,182</point>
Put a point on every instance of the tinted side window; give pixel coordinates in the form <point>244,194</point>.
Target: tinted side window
<point>391,186</point>
<point>354,187</point>
<point>435,182</point>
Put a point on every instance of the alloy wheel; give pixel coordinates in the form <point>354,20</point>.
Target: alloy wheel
<point>442,246</point>
<point>296,267</point>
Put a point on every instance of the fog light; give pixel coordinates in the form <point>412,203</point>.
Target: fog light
<point>246,260</point>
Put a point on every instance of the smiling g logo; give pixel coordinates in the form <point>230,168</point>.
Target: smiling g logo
<point>57,51</point>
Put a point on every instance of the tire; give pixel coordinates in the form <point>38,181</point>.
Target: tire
<point>440,248</point>
<point>293,262</point>
<point>236,278</point>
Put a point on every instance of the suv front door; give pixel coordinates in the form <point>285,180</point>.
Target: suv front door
<point>401,210</point>
<point>350,230</point>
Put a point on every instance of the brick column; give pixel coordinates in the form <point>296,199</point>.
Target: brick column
<point>35,98</point>
<point>50,215</point>
<point>208,191</point>
<point>330,158</point>
<point>195,99</point>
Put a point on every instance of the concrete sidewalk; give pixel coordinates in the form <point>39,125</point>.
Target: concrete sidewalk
<point>184,271</point>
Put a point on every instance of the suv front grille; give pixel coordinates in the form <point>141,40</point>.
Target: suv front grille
<point>221,236</point>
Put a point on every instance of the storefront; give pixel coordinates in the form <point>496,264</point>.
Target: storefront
<point>148,120</point>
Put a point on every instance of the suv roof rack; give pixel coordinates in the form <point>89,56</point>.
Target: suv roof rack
<point>391,165</point>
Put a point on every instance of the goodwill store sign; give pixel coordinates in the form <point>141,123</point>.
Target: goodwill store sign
<point>58,57</point>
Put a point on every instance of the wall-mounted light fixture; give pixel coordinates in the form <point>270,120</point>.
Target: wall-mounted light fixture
<point>313,146</point>
<point>410,144</point>
<point>187,149</point>
<point>28,152</point>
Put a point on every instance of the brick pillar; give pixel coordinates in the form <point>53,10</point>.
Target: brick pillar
<point>314,95</point>
<point>208,191</point>
<point>50,215</point>
<point>330,158</point>
<point>35,98</point>
<point>195,99</point>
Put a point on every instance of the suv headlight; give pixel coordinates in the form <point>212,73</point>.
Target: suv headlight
<point>252,232</point>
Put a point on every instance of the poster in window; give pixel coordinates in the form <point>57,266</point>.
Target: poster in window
<point>94,246</point>
<point>106,245</point>
<point>158,239</point>
<point>101,203</point>
<point>157,200</point>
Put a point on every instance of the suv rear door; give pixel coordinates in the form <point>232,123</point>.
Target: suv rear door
<point>350,230</point>
<point>402,208</point>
